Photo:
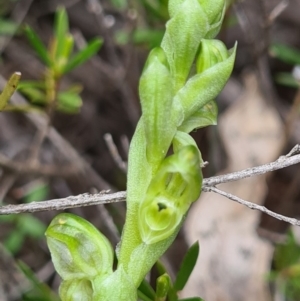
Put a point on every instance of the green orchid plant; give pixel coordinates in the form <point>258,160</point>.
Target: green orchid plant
<point>178,85</point>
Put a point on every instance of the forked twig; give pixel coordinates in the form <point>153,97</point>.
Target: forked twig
<point>253,206</point>
<point>292,158</point>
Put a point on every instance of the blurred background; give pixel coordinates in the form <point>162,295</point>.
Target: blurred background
<point>58,131</point>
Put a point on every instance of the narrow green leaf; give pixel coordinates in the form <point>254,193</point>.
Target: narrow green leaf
<point>287,79</point>
<point>8,27</point>
<point>160,268</point>
<point>172,295</point>
<point>31,83</point>
<point>143,297</point>
<point>91,49</point>
<point>9,89</point>
<point>64,56</point>
<point>34,95</point>
<point>67,51</point>
<point>37,45</point>
<point>38,291</point>
<point>31,226</point>
<point>14,241</point>
<point>187,267</point>
<point>146,289</point>
<point>61,29</point>
<point>286,53</point>
<point>69,102</point>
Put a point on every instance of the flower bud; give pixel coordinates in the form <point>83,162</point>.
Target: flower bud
<point>77,248</point>
<point>184,32</point>
<point>211,53</point>
<point>163,285</point>
<point>206,85</point>
<point>175,186</point>
<point>156,98</point>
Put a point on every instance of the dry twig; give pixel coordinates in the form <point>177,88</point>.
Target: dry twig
<point>80,200</point>
<point>253,206</point>
<point>292,158</point>
<point>113,150</point>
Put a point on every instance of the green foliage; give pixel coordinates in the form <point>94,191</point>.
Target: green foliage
<point>59,60</point>
<point>25,225</point>
<point>156,8</point>
<point>290,56</point>
<point>287,79</point>
<point>38,291</point>
<point>286,272</point>
<point>175,99</point>
<point>38,191</point>
<point>165,289</point>
<point>149,31</point>
<point>187,267</point>
<point>145,291</point>
<point>141,36</point>
<point>286,53</point>
<point>7,27</point>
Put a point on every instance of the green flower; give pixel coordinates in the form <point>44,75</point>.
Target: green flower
<point>80,254</point>
<point>172,190</point>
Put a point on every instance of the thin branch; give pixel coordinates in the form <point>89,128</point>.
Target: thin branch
<point>293,157</point>
<point>282,162</point>
<point>113,150</point>
<point>80,200</point>
<point>253,206</point>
